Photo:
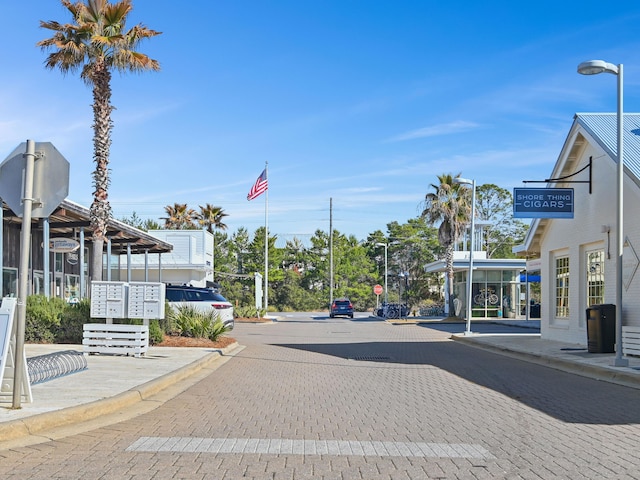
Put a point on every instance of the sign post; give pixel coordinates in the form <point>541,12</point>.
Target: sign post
<point>31,190</point>
<point>30,160</point>
<point>377,289</point>
<point>258,291</point>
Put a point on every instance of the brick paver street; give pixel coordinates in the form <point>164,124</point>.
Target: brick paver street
<point>320,398</point>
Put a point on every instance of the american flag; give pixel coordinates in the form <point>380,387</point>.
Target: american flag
<point>259,187</point>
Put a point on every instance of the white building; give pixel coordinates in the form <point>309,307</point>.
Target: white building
<point>577,256</point>
<point>191,260</point>
<point>496,287</point>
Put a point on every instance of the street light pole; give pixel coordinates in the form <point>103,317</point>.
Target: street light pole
<point>465,181</point>
<point>400,279</point>
<point>386,298</point>
<point>594,67</point>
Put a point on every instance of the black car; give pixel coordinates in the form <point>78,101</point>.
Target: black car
<point>341,306</point>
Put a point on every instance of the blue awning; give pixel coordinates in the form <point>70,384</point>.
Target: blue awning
<point>530,278</point>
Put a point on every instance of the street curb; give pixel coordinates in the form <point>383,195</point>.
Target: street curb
<point>586,370</point>
<point>37,424</point>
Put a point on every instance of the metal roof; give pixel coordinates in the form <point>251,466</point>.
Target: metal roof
<point>603,127</point>
<point>69,217</point>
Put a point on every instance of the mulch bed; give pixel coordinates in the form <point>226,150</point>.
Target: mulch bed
<point>252,320</point>
<point>177,341</point>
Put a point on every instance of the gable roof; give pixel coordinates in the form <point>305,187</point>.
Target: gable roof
<point>602,129</point>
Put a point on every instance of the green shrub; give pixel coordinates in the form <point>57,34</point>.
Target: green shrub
<point>156,335</point>
<point>217,330</point>
<point>166,324</point>
<point>181,319</point>
<point>73,318</point>
<point>248,312</point>
<point>42,318</point>
<point>50,320</point>
<point>191,322</point>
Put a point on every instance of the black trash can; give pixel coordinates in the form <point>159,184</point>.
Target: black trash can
<point>601,328</point>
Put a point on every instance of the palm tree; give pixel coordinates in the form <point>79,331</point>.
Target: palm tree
<point>96,43</point>
<point>450,206</point>
<point>211,217</point>
<point>179,217</point>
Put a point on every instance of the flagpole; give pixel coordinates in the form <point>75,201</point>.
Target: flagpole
<point>266,244</point>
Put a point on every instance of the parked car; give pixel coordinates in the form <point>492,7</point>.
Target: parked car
<point>341,306</point>
<point>204,299</point>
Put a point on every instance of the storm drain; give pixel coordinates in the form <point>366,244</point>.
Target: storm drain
<point>370,358</point>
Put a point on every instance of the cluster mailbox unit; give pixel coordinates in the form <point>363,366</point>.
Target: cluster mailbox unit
<point>133,300</point>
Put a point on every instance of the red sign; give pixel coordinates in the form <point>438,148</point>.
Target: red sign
<point>377,289</point>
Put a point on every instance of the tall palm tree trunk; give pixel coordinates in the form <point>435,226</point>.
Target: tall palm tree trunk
<point>448,257</point>
<point>100,210</point>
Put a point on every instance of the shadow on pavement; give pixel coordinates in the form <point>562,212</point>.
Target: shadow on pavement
<point>567,397</point>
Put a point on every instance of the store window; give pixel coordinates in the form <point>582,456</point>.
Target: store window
<point>38,283</point>
<point>562,287</point>
<point>72,288</point>
<point>10,282</point>
<point>595,277</point>
<point>494,293</point>
<point>59,262</point>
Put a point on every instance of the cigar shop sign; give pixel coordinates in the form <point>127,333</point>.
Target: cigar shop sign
<point>543,202</point>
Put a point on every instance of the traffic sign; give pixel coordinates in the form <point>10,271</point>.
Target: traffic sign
<point>50,179</point>
<point>377,289</point>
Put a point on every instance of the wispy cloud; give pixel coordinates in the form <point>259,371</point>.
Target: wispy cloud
<point>435,131</point>
<point>139,115</point>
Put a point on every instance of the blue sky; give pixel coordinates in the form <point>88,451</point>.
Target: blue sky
<point>362,102</point>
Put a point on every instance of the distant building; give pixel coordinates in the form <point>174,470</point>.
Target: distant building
<point>189,262</point>
<point>497,290</point>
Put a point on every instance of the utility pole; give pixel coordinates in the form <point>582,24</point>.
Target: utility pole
<point>330,252</point>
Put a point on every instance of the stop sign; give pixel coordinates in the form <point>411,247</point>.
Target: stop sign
<point>377,289</point>
<point>50,179</point>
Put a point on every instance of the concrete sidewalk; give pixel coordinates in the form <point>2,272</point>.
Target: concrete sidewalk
<point>111,385</point>
<point>114,388</point>
<point>530,347</point>
<point>567,357</point>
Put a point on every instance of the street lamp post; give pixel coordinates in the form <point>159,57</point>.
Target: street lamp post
<point>386,298</point>
<point>465,181</point>
<point>400,278</point>
<point>594,67</point>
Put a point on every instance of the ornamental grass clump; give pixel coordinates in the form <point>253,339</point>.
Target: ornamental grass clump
<point>188,321</point>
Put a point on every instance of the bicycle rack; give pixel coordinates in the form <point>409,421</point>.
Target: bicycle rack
<point>54,365</point>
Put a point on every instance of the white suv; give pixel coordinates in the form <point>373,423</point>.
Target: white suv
<point>204,299</point>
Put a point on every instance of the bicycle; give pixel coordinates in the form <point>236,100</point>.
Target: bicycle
<point>391,311</point>
<point>486,296</point>
<point>432,311</point>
